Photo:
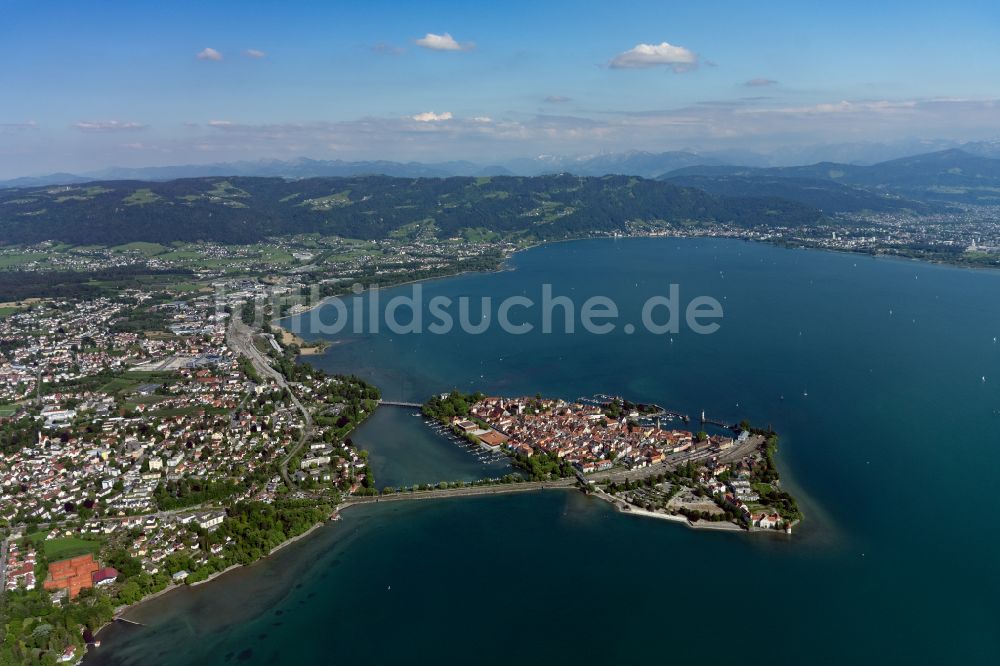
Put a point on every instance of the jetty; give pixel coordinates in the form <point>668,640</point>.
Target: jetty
<point>722,424</point>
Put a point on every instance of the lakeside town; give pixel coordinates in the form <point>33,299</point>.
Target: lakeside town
<point>151,440</point>
<point>632,455</point>
<point>966,235</point>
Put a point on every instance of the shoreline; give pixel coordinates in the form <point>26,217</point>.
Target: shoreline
<point>504,267</point>
<point>277,320</point>
<point>720,526</point>
<point>121,611</point>
<point>673,518</point>
<point>290,541</point>
<point>306,348</point>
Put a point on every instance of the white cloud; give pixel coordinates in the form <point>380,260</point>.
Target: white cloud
<point>220,123</point>
<point>557,99</point>
<point>208,53</point>
<point>677,58</point>
<point>431,117</point>
<point>253,53</point>
<point>760,83</point>
<point>443,42</point>
<point>481,119</point>
<point>107,126</point>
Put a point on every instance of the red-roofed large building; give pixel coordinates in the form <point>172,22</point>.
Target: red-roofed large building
<point>72,575</point>
<point>104,576</point>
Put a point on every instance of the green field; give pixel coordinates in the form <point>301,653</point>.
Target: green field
<point>226,189</point>
<point>479,235</point>
<point>64,547</point>
<point>6,312</point>
<point>327,202</point>
<point>141,197</point>
<point>148,249</point>
<point>61,549</point>
<point>78,194</point>
<point>18,258</point>
<point>133,380</point>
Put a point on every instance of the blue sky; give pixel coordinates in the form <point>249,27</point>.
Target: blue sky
<point>88,85</point>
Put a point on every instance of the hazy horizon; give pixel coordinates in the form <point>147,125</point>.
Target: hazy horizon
<point>449,81</point>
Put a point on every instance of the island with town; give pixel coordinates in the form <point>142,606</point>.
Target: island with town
<point>631,455</point>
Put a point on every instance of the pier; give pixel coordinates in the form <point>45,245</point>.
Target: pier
<point>600,399</point>
<point>715,422</point>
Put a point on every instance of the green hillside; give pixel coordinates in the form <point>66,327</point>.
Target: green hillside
<point>247,210</point>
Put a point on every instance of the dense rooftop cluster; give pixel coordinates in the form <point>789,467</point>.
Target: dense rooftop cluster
<point>141,448</point>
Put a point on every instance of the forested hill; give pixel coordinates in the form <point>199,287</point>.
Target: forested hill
<point>947,175</point>
<point>246,210</point>
<point>826,195</point>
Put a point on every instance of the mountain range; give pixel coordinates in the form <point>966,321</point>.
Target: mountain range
<point>632,163</point>
<point>970,174</point>
<point>158,204</point>
<point>952,175</point>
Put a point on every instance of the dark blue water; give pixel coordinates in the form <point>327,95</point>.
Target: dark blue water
<point>883,378</point>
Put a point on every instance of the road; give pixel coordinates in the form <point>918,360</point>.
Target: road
<point>239,336</point>
<point>3,566</point>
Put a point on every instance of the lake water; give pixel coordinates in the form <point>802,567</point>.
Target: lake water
<point>405,450</point>
<point>882,377</point>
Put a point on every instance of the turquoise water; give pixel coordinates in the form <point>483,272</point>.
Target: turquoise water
<point>404,450</point>
<point>893,451</point>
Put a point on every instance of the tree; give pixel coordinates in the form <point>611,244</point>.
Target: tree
<point>126,565</point>
<point>130,593</point>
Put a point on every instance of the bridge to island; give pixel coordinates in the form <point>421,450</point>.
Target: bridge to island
<point>399,403</point>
